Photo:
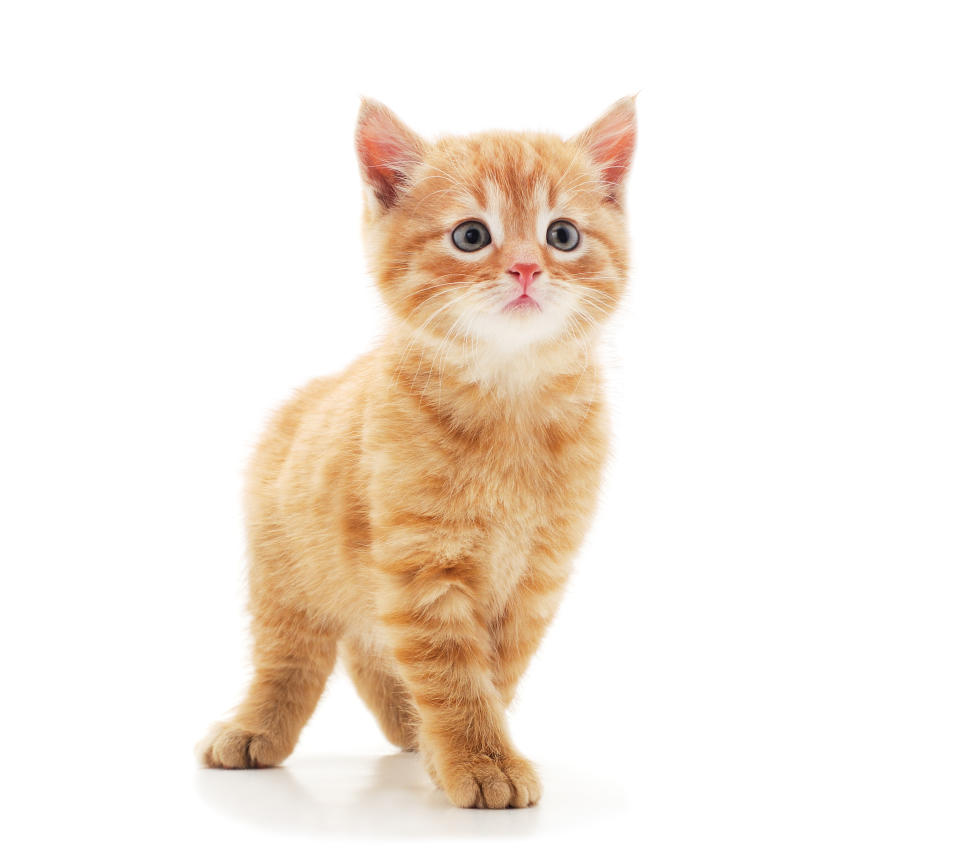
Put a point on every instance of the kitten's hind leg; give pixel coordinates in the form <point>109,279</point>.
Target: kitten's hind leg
<point>385,694</point>
<point>293,657</point>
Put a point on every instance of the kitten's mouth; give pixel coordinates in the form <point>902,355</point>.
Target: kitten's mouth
<point>522,302</point>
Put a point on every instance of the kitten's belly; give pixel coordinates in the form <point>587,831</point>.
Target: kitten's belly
<point>504,555</point>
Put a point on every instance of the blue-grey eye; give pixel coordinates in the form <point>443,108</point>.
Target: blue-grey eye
<point>563,235</point>
<point>470,236</point>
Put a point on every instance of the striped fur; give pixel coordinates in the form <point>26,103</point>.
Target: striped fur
<point>419,512</point>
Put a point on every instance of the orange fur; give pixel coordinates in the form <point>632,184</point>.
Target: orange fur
<point>418,513</point>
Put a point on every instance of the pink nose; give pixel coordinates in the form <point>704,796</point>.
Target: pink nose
<point>525,272</point>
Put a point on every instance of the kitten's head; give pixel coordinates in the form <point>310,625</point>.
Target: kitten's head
<point>505,240</point>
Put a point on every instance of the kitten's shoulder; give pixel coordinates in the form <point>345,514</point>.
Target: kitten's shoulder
<point>343,385</point>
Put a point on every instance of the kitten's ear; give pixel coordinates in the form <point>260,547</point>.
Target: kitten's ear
<point>609,142</point>
<point>388,152</point>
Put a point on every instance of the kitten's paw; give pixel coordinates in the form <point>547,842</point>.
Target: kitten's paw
<point>230,746</point>
<point>486,783</point>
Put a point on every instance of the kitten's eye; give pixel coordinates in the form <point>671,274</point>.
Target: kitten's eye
<point>563,235</point>
<point>470,236</point>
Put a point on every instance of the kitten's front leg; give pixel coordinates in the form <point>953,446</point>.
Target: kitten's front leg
<point>444,654</point>
<point>520,629</point>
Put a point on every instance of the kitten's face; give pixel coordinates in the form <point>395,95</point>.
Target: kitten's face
<point>503,240</point>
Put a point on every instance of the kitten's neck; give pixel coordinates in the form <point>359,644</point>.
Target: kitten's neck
<point>472,381</point>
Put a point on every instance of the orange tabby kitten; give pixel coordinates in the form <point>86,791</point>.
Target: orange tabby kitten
<point>418,513</point>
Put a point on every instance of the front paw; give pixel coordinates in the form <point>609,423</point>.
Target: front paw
<point>231,746</point>
<point>488,782</point>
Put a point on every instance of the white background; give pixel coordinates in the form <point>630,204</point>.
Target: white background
<point>759,651</point>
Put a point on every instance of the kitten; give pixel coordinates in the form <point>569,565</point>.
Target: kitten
<point>418,513</point>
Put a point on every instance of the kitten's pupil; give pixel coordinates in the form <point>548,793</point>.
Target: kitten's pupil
<point>472,235</point>
<point>562,235</point>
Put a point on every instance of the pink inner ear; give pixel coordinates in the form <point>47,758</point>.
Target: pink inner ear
<point>611,142</point>
<point>386,151</point>
<point>376,157</point>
